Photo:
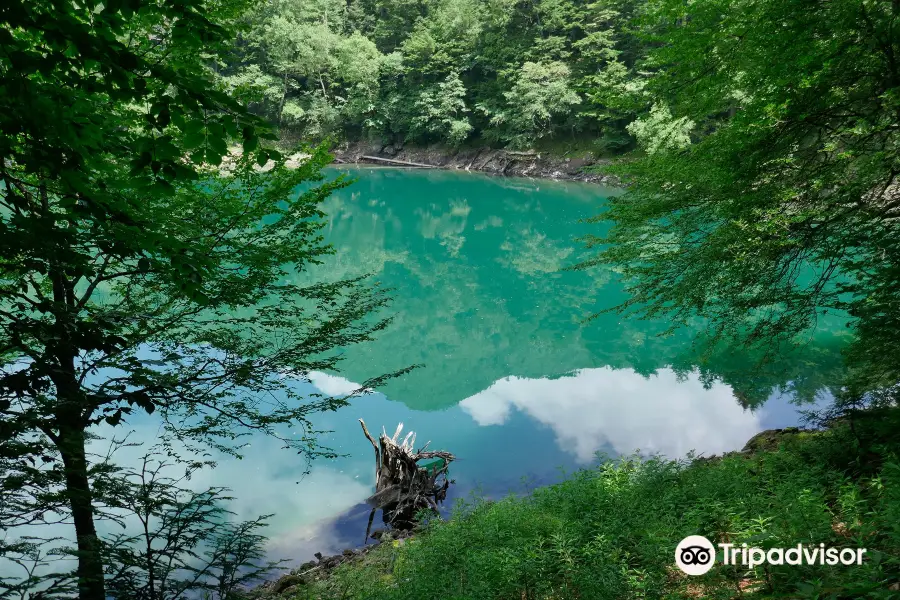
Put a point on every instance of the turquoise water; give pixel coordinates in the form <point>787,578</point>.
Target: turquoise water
<point>513,381</point>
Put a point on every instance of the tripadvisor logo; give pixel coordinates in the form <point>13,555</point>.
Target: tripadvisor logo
<point>695,555</point>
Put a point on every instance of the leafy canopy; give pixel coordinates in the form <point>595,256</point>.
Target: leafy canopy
<point>135,274</point>
<point>784,207</point>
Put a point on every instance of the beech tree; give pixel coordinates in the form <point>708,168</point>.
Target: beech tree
<point>768,196</point>
<point>134,273</point>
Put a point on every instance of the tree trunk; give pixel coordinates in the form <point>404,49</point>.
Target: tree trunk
<point>284,91</point>
<point>90,563</point>
<point>71,424</point>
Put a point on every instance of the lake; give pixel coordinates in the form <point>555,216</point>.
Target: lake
<point>513,380</point>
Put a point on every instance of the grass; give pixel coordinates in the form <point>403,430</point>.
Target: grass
<point>611,531</point>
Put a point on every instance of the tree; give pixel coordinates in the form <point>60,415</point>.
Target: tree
<point>326,79</point>
<point>541,91</point>
<point>606,70</point>
<point>185,541</point>
<point>660,131</point>
<point>786,206</point>
<point>134,275</point>
<point>442,111</point>
<point>388,22</point>
<point>320,57</point>
<point>174,541</point>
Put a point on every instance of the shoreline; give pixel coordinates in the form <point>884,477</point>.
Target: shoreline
<point>320,569</point>
<point>506,163</point>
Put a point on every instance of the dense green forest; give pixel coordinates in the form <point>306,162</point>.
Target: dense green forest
<point>503,72</point>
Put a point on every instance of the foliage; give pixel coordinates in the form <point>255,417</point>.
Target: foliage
<point>441,111</point>
<point>611,531</point>
<point>308,74</point>
<point>785,206</point>
<point>135,273</point>
<point>174,541</point>
<point>541,92</point>
<point>525,65</point>
<point>187,541</point>
<point>659,131</point>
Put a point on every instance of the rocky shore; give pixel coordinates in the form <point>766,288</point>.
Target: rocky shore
<point>321,568</point>
<point>577,167</point>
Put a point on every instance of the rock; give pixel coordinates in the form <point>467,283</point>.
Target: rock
<point>770,439</point>
<point>288,581</point>
<point>714,459</point>
<point>495,161</point>
<point>350,552</point>
<point>574,166</point>
<point>318,556</point>
<point>306,566</point>
<point>376,535</point>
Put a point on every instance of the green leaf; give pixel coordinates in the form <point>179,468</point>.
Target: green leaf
<point>212,157</point>
<point>194,140</point>
<point>164,118</point>
<point>143,160</point>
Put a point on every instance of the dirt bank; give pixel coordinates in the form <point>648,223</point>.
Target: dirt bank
<point>578,167</point>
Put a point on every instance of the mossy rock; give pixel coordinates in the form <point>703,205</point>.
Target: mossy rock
<point>287,582</point>
<point>771,439</point>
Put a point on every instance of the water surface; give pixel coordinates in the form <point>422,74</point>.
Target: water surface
<point>513,381</point>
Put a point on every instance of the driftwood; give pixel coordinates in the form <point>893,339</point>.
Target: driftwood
<point>402,485</point>
<point>398,162</point>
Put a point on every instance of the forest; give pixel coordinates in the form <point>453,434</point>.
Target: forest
<point>452,72</point>
<point>148,269</point>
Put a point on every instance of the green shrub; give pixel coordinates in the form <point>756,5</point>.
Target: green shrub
<point>610,531</point>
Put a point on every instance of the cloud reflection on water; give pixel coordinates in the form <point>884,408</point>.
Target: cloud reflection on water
<point>269,480</point>
<point>592,409</point>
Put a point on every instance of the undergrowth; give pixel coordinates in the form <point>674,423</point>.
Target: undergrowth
<point>609,532</point>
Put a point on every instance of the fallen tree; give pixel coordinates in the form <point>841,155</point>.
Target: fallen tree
<point>404,163</point>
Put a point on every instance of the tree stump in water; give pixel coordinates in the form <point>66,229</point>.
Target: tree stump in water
<point>402,485</point>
